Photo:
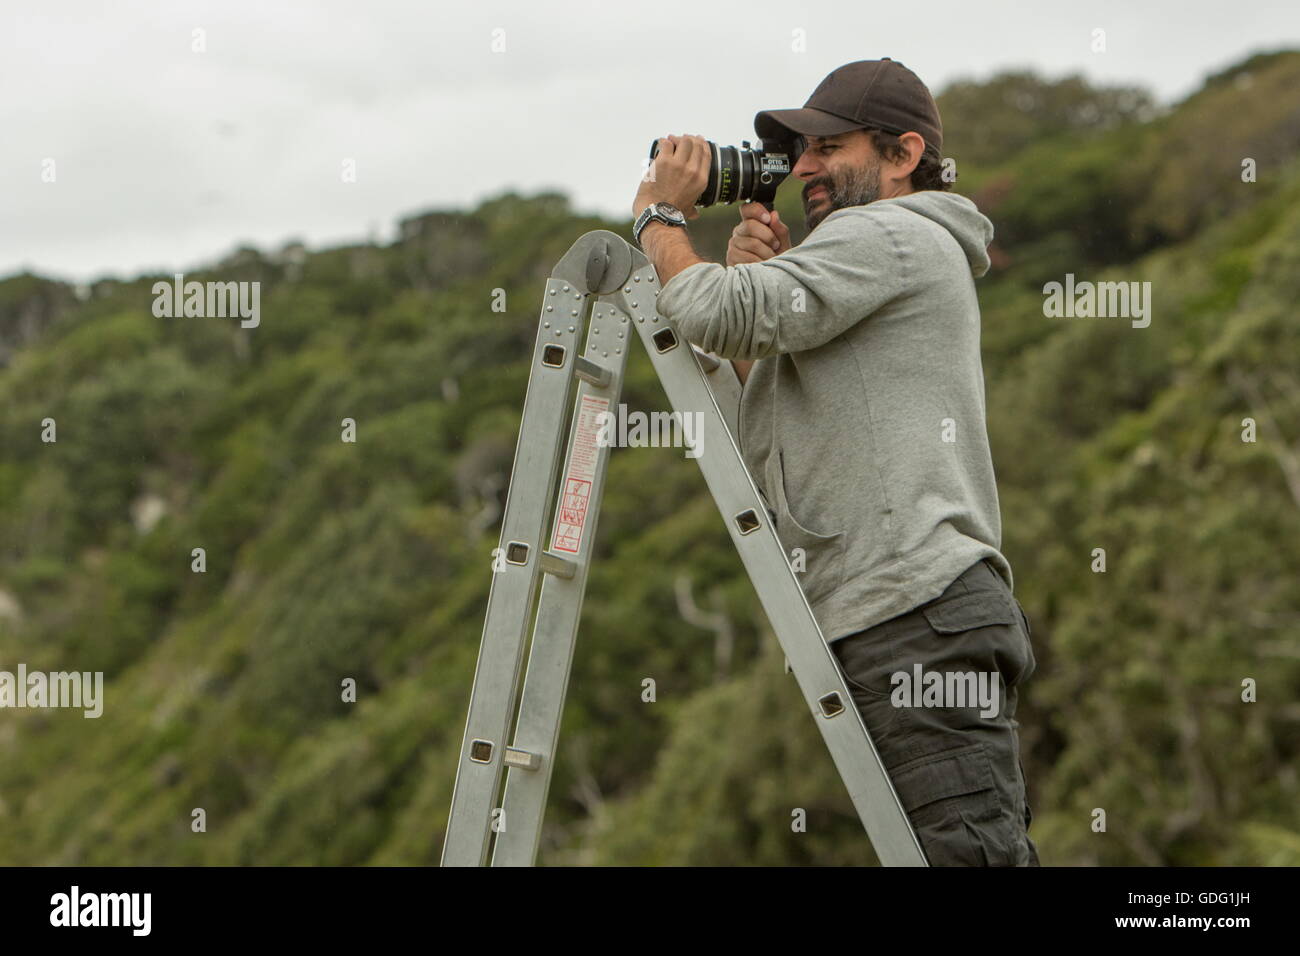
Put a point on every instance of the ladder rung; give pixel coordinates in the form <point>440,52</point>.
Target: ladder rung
<point>522,759</point>
<point>591,372</point>
<point>707,362</point>
<point>553,564</point>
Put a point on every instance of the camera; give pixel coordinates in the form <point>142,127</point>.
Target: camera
<point>744,173</point>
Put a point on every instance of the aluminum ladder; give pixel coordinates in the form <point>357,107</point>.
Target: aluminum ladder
<point>604,265</point>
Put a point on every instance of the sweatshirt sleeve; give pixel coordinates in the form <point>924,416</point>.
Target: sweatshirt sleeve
<point>847,268</point>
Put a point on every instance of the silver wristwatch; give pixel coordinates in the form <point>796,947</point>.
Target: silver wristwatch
<point>664,212</point>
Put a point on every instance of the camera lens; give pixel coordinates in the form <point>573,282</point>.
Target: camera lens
<point>744,174</point>
<point>727,170</point>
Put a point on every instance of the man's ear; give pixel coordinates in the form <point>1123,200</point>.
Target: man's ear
<point>915,146</point>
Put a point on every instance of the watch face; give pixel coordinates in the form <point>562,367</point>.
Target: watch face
<point>671,211</point>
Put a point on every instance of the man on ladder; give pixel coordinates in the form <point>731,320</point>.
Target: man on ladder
<point>862,421</point>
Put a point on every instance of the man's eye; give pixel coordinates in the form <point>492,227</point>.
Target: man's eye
<point>826,149</point>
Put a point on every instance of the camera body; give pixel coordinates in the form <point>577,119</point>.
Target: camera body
<point>746,174</point>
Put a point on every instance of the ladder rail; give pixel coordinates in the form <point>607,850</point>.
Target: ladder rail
<point>515,571</point>
<point>811,659</point>
<point>559,607</point>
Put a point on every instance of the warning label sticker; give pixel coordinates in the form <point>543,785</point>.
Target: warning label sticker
<point>575,496</point>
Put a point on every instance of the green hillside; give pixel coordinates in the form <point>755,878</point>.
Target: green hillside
<point>328,560</point>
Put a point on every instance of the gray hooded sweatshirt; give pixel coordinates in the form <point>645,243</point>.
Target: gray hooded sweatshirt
<point>863,423</point>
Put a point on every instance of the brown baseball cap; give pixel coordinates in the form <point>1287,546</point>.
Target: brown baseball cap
<point>879,94</point>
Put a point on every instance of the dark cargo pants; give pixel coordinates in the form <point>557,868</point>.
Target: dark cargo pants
<point>957,773</point>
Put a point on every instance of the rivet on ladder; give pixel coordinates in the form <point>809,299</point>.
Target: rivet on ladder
<point>628,289</point>
<point>552,291</point>
<point>550,308</point>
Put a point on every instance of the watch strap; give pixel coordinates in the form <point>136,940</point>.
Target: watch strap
<point>649,214</point>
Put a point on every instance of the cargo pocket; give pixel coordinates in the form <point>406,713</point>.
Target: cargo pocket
<point>969,611</point>
<point>953,805</point>
<point>987,629</point>
<point>823,553</point>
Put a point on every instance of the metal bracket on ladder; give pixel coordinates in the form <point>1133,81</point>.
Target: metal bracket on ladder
<point>604,264</point>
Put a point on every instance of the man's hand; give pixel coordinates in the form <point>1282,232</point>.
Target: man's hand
<point>678,175</point>
<point>760,235</point>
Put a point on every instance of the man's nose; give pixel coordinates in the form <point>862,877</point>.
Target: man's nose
<point>806,167</point>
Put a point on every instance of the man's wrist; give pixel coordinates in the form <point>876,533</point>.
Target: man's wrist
<point>658,238</point>
<point>652,227</point>
<point>669,249</point>
<point>649,216</point>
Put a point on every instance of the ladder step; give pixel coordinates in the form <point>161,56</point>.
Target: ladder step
<point>522,759</point>
<point>589,371</point>
<point>553,564</point>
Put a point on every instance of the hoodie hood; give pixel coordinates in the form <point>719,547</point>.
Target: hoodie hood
<point>970,227</point>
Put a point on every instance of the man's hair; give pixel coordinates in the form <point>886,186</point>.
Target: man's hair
<point>929,171</point>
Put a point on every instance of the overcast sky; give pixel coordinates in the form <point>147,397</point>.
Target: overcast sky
<point>165,157</point>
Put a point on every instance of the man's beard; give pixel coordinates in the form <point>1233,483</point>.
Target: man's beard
<point>855,187</point>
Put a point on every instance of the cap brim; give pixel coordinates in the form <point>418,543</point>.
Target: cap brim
<point>807,121</point>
